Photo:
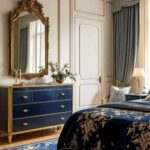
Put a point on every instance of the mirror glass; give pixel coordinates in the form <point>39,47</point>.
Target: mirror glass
<point>29,43</point>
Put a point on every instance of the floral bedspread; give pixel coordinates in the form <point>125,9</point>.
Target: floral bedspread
<point>105,128</point>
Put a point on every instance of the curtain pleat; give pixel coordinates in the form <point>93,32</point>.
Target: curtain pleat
<point>126,42</point>
<point>118,4</point>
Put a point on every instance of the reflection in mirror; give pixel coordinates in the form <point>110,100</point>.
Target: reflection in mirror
<point>29,43</point>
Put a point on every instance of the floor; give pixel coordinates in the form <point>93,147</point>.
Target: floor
<point>28,138</point>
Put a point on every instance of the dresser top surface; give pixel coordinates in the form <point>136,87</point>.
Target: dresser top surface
<point>36,85</point>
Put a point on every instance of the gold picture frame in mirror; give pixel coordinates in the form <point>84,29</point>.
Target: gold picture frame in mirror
<point>28,40</point>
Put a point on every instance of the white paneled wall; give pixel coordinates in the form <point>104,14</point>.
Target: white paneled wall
<point>92,21</point>
<point>92,51</point>
<point>95,7</point>
<point>64,31</point>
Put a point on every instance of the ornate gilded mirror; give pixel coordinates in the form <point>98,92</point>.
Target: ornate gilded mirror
<point>29,31</point>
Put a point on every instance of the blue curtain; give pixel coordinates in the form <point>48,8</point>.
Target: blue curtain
<point>126,43</point>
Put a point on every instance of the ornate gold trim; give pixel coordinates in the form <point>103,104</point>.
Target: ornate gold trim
<point>38,129</point>
<point>44,115</point>
<point>31,6</point>
<point>10,125</point>
<point>43,102</point>
<point>37,85</point>
<point>10,132</point>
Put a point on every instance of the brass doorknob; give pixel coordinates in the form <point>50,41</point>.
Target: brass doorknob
<point>62,118</point>
<point>100,79</point>
<point>62,106</point>
<point>25,110</point>
<point>62,94</point>
<point>25,97</point>
<point>25,124</point>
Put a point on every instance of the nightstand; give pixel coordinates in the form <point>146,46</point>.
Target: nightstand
<point>132,96</point>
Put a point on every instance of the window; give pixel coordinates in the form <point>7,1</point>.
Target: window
<point>36,46</point>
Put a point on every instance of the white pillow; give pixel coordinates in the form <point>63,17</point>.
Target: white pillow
<point>147,98</point>
<point>118,94</point>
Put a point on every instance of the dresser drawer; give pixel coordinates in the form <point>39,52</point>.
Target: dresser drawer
<point>38,122</point>
<point>44,95</point>
<point>41,108</point>
<point>64,94</point>
<point>22,97</point>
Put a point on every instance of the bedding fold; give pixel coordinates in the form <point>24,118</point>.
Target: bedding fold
<point>136,105</point>
<point>113,126</point>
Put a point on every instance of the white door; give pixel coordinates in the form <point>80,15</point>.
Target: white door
<point>87,62</point>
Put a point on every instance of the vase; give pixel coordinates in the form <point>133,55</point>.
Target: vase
<point>60,79</point>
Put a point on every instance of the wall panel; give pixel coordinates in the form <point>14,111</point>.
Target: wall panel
<point>90,6</point>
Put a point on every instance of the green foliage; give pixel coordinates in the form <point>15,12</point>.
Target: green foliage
<point>64,72</point>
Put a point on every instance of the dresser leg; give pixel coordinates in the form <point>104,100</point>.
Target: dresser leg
<point>9,139</point>
<point>59,128</point>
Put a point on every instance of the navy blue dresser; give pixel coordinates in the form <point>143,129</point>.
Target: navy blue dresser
<point>34,108</point>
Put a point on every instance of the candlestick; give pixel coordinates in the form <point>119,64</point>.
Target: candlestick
<point>16,76</point>
<point>20,75</point>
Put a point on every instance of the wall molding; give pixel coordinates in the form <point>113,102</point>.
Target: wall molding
<point>83,84</point>
<point>87,12</point>
<point>109,1</point>
<point>81,24</point>
<point>59,27</point>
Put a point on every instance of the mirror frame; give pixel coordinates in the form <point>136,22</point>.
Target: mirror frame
<point>30,6</point>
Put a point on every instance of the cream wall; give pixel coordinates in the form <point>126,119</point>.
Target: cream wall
<point>59,43</point>
<point>143,40</point>
<point>61,39</point>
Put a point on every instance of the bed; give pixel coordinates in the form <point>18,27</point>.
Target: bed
<point>113,126</point>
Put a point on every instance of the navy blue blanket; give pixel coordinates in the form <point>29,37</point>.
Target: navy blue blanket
<point>123,126</point>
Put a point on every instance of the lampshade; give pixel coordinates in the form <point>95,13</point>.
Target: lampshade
<point>138,72</point>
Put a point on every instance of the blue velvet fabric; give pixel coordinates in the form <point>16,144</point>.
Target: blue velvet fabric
<point>107,128</point>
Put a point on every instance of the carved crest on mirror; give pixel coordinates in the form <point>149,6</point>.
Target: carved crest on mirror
<point>28,39</point>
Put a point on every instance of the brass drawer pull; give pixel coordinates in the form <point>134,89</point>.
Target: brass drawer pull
<point>25,110</point>
<point>25,97</point>
<point>62,118</point>
<point>25,124</point>
<point>62,106</point>
<point>62,94</point>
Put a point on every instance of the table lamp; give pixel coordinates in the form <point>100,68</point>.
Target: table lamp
<point>138,73</point>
